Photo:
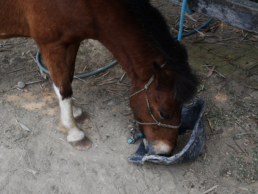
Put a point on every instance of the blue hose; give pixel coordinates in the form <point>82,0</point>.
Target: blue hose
<point>192,32</point>
<point>76,76</point>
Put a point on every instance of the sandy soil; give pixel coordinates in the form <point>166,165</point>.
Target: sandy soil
<point>37,159</point>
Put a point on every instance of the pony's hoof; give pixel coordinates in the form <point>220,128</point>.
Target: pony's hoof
<point>82,144</point>
<point>83,118</point>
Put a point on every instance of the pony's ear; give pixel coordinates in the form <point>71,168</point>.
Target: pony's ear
<point>160,76</point>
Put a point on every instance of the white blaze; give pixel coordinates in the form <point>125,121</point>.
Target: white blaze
<point>162,148</point>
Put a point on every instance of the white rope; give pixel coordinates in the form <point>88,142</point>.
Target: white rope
<point>148,105</point>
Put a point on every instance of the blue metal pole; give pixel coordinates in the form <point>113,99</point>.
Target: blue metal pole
<point>182,20</point>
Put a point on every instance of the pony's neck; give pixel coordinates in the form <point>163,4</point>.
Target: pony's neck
<point>132,50</point>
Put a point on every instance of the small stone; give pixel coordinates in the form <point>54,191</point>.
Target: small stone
<point>21,85</point>
<point>248,98</point>
<point>128,108</point>
<point>112,102</point>
<point>254,94</point>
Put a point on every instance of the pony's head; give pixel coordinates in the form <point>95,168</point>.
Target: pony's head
<point>172,85</point>
<point>158,108</point>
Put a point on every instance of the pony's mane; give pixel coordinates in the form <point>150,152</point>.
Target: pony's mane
<point>156,29</point>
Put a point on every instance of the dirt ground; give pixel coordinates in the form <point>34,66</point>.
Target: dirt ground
<point>38,159</point>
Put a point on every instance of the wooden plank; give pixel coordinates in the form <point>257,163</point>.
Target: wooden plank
<point>240,13</point>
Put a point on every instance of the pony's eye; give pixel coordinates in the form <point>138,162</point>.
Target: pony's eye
<point>164,115</point>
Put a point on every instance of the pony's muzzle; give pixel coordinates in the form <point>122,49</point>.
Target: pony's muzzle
<point>157,147</point>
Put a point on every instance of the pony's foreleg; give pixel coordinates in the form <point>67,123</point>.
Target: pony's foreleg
<point>67,121</point>
<point>60,72</point>
<point>79,115</point>
<point>68,124</point>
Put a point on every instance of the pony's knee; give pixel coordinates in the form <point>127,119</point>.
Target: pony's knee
<point>66,91</point>
<point>63,91</point>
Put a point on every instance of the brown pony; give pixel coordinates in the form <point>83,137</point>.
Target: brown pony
<point>139,39</point>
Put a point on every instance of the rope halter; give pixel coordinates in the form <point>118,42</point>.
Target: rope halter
<point>148,105</point>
